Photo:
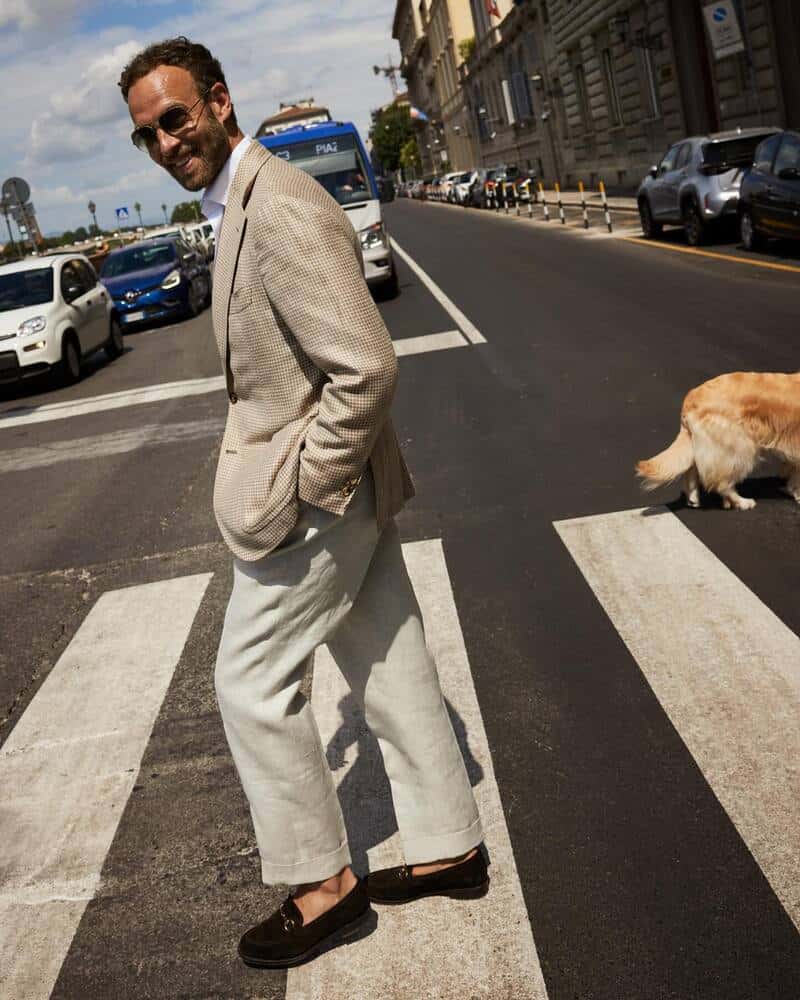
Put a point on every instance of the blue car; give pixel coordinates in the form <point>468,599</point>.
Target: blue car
<point>156,279</point>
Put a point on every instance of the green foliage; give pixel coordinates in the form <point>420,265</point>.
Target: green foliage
<point>466,48</point>
<point>80,234</point>
<point>391,131</point>
<point>186,211</point>
<point>409,155</point>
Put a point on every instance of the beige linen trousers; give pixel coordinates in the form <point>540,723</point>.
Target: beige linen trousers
<point>309,479</point>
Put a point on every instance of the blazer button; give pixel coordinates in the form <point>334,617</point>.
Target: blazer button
<point>233,397</point>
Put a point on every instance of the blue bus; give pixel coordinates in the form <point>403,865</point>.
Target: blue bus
<point>332,152</point>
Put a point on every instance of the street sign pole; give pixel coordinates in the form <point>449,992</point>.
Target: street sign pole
<point>5,207</point>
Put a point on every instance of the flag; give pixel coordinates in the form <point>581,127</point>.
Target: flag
<point>417,115</point>
<point>491,8</point>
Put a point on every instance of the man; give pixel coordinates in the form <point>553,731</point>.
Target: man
<point>309,479</point>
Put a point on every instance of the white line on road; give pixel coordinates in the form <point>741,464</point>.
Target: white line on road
<point>724,667</point>
<point>104,445</point>
<point>441,948</point>
<point>470,331</point>
<point>69,765</point>
<point>429,342</point>
<point>189,387</point>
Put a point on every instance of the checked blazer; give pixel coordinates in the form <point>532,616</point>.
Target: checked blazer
<point>309,363</point>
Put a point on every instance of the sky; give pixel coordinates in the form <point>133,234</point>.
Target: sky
<point>66,128</point>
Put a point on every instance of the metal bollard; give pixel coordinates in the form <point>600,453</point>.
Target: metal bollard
<point>605,206</point>
<point>560,206</point>
<point>530,199</point>
<point>583,205</point>
<point>505,196</point>
<point>516,198</point>
<point>545,209</point>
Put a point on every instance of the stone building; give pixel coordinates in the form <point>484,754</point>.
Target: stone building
<point>431,34</point>
<point>596,89</point>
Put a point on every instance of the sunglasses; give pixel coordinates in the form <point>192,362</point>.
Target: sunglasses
<point>175,121</point>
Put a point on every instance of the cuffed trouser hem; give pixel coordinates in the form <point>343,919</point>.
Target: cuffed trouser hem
<point>314,870</point>
<point>421,850</point>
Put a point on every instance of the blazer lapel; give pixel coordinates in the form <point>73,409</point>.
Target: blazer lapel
<point>230,239</point>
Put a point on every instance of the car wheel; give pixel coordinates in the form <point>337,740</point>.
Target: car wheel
<point>207,299</point>
<point>388,289</point>
<point>650,228</point>
<point>751,238</point>
<point>70,367</point>
<point>693,224</point>
<point>115,344</point>
<point>192,302</point>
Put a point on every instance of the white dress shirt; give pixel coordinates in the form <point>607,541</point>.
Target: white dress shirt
<point>215,196</point>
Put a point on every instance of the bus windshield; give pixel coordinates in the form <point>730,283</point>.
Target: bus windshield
<point>335,162</point>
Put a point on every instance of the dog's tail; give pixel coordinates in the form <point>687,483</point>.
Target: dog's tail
<point>669,464</point>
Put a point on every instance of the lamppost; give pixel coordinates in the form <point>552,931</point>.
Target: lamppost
<point>138,209</point>
<point>547,116</point>
<point>92,209</point>
<point>164,210</point>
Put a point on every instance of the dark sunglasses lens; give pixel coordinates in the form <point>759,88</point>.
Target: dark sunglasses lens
<point>174,120</point>
<point>143,137</point>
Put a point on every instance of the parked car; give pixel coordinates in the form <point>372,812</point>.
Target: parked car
<point>460,187</point>
<point>769,200</point>
<point>53,313</point>
<point>201,235</point>
<point>697,182</point>
<point>157,279</point>
<point>477,197</point>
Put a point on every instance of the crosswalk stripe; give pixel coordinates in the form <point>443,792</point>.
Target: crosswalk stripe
<point>436,947</point>
<point>104,445</point>
<point>725,669</point>
<point>69,765</point>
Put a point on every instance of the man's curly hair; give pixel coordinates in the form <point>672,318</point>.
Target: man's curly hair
<point>191,56</point>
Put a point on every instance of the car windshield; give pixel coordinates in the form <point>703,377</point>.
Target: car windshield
<point>335,162</point>
<point>26,288</point>
<point>728,154</point>
<point>137,259</point>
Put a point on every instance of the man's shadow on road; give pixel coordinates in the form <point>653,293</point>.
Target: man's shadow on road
<point>364,793</point>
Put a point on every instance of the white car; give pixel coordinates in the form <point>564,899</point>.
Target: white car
<point>201,235</point>
<point>53,313</point>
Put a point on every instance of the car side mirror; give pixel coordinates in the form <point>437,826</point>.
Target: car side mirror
<point>654,171</point>
<point>789,174</point>
<point>72,292</point>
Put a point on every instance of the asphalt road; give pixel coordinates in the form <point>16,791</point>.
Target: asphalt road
<point>646,869</point>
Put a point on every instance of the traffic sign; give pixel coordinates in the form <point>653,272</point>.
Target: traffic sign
<point>122,214</point>
<point>16,189</point>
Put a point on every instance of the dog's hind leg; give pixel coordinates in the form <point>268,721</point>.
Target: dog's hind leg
<point>793,482</point>
<point>691,486</point>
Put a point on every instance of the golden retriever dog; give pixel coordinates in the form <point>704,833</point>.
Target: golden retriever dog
<point>727,425</point>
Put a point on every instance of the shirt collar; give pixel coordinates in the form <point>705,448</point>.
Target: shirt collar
<point>216,194</point>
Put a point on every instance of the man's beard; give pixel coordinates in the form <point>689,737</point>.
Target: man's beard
<point>209,151</point>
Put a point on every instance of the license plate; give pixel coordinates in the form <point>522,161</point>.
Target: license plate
<point>133,317</point>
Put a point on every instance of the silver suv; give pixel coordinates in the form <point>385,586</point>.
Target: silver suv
<point>53,313</point>
<point>697,182</point>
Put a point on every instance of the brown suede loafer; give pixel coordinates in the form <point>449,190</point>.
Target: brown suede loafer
<point>283,940</point>
<point>467,880</point>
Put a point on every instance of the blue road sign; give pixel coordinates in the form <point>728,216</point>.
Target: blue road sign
<point>122,214</point>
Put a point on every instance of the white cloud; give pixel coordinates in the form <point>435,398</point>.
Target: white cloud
<point>26,14</point>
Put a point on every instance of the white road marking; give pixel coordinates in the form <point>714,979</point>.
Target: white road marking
<point>68,767</point>
<point>435,947</point>
<point>429,342</point>
<point>110,401</point>
<point>104,445</point>
<point>470,331</point>
<point>189,387</point>
<point>724,667</point>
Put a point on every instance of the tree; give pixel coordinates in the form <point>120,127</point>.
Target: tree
<point>186,211</point>
<point>409,155</point>
<point>138,209</point>
<point>80,234</point>
<point>391,131</point>
<point>164,210</point>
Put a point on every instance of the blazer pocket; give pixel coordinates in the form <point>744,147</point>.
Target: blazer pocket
<point>241,298</point>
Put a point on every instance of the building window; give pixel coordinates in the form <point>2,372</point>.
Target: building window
<point>614,106</point>
<point>480,17</point>
<point>544,12</point>
<point>581,94</point>
<point>653,106</point>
